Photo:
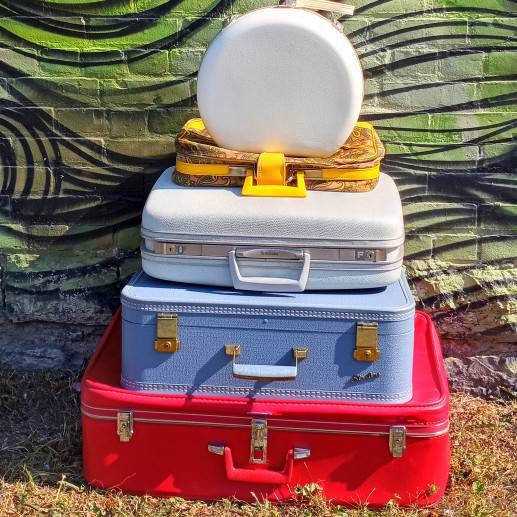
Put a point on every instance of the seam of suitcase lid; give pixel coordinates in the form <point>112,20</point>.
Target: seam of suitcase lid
<point>394,398</point>
<point>405,310</point>
<point>100,389</point>
<point>263,311</point>
<point>411,429</point>
<point>340,265</point>
<point>249,416</point>
<point>277,327</point>
<point>351,245</point>
<point>186,238</point>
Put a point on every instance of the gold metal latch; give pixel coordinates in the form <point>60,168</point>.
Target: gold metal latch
<point>258,446</point>
<point>125,425</point>
<point>366,342</point>
<point>167,339</point>
<point>397,440</point>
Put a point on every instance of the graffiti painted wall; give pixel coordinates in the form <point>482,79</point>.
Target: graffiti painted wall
<point>92,93</point>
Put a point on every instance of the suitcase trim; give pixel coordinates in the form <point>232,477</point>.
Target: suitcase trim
<point>399,397</point>
<point>352,254</point>
<point>412,430</point>
<point>257,311</point>
<point>218,272</point>
<point>258,242</point>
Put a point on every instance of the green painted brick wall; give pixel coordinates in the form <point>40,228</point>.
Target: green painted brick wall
<point>93,93</point>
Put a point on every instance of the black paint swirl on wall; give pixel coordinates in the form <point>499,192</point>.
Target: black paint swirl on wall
<point>93,93</point>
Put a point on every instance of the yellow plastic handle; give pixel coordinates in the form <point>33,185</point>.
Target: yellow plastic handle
<point>250,189</point>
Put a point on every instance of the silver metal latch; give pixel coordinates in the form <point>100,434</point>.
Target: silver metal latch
<point>168,248</point>
<point>397,440</point>
<point>366,255</point>
<point>258,445</point>
<point>125,425</point>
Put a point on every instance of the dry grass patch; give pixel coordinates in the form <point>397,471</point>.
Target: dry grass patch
<point>40,463</point>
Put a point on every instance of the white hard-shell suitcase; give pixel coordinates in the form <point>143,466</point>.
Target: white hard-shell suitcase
<point>328,240</point>
<point>283,80</point>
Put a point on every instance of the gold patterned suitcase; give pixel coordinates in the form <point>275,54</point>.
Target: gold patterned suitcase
<point>355,167</point>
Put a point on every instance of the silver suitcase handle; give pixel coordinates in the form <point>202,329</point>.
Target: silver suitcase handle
<point>265,283</point>
<point>265,372</point>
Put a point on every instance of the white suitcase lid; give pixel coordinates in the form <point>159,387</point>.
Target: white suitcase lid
<point>221,215</point>
<point>280,80</point>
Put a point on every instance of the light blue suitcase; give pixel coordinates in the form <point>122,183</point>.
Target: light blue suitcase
<point>321,345</point>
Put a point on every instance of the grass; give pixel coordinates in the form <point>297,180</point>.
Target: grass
<point>40,463</point>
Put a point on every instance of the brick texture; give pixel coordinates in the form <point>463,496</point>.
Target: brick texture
<point>93,95</point>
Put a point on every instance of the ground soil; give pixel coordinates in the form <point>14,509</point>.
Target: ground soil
<point>40,462</point>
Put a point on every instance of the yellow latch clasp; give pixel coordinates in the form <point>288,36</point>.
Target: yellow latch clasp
<point>270,179</point>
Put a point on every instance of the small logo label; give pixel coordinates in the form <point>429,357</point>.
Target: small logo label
<point>367,377</point>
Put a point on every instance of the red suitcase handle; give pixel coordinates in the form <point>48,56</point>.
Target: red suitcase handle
<point>272,477</point>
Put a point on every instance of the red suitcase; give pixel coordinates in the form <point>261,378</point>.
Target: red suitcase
<point>214,447</point>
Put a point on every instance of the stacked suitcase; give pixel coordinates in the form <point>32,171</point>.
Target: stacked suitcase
<point>271,339</point>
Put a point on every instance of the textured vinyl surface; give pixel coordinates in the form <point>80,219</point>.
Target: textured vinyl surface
<point>200,214</point>
<point>280,80</point>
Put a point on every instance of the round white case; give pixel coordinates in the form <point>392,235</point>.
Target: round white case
<point>280,80</point>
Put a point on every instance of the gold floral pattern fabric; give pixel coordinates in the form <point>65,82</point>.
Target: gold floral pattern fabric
<point>362,150</point>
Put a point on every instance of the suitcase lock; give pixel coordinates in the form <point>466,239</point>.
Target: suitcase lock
<point>397,440</point>
<point>167,339</point>
<point>125,425</point>
<point>366,342</point>
<point>258,445</point>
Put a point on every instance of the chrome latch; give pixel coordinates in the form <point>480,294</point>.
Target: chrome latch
<point>366,342</point>
<point>216,449</point>
<point>397,440</point>
<point>167,339</point>
<point>366,255</point>
<point>301,454</point>
<point>125,425</point>
<point>168,248</point>
<point>258,446</point>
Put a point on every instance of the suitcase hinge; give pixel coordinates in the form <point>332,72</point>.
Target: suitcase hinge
<point>258,446</point>
<point>397,440</point>
<point>167,339</point>
<point>125,425</point>
<point>366,342</point>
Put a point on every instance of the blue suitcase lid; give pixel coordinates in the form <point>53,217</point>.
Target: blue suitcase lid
<point>143,293</point>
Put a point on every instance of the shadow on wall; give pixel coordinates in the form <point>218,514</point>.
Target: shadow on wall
<point>92,95</point>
